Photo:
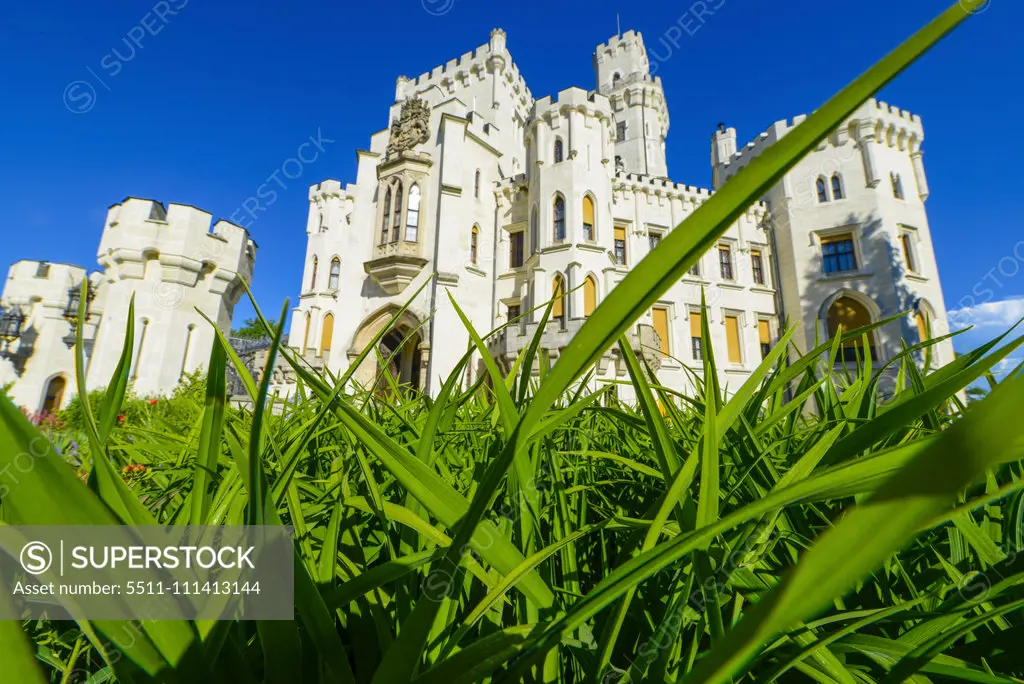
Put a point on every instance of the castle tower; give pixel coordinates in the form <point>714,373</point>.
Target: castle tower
<point>638,101</point>
<point>174,264</point>
<point>852,234</point>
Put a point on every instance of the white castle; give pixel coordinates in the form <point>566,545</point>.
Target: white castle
<point>506,202</point>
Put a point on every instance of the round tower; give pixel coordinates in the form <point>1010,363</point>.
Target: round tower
<point>638,102</point>
<point>174,264</point>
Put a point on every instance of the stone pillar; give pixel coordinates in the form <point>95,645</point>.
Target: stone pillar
<point>866,142</point>
<point>922,181</point>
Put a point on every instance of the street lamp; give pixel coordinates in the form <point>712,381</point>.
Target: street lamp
<point>71,310</point>
<point>11,320</point>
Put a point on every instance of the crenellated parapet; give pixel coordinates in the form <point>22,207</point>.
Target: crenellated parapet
<point>179,240</point>
<point>330,206</point>
<point>590,104</point>
<point>874,121</point>
<point>490,60</point>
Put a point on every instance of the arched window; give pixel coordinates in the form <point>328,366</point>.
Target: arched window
<point>822,191</point>
<point>558,214</point>
<point>54,394</point>
<point>412,221</point>
<point>385,226</point>
<point>558,295</point>
<point>588,218</point>
<point>534,231</point>
<point>327,334</point>
<point>616,77</point>
<point>312,279</point>
<point>897,185</point>
<point>558,150</point>
<point>837,187</point>
<point>474,243</point>
<point>846,315</point>
<point>476,185</point>
<point>396,218</point>
<point>589,295</point>
<point>923,324</point>
<point>305,336</point>
<point>335,276</point>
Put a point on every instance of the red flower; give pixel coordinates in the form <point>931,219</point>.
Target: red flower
<point>120,418</point>
<point>152,402</point>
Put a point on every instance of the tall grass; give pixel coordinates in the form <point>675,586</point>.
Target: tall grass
<point>526,529</point>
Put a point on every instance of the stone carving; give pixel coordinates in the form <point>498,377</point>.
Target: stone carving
<point>412,127</point>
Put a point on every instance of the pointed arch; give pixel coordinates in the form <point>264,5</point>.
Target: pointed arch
<point>476,184</point>
<point>312,279</point>
<point>822,190</point>
<point>846,311</point>
<point>588,218</point>
<point>474,244</point>
<point>327,334</point>
<point>54,395</point>
<point>558,298</point>
<point>305,336</point>
<point>334,278</point>
<point>386,222</point>
<point>589,294</point>
<point>924,318</point>
<point>396,217</point>
<point>412,220</point>
<point>837,187</point>
<point>558,217</point>
<point>559,150</point>
<point>897,185</point>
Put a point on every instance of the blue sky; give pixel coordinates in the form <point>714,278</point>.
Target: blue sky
<point>222,93</point>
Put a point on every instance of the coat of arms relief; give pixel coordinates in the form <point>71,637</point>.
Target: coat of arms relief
<point>411,129</point>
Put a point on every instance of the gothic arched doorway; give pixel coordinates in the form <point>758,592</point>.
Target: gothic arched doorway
<point>400,353</point>
<point>54,394</point>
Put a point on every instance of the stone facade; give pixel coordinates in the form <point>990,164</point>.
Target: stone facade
<point>505,199</point>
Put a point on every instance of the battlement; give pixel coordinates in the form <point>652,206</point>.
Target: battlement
<point>138,230</point>
<point>638,182</point>
<point>590,103</point>
<point>621,42</point>
<point>327,189</point>
<point>890,124</point>
<point>454,71</point>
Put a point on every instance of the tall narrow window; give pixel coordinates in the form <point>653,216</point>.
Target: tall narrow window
<point>695,269</point>
<point>396,217</point>
<point>620,244</point>
<point>589,295</point>
<point>822,191</point>
<point>696,341</point>
<point>386,224</point>
<point>725,261</point>
<point>513,311</point>
<point>559,152</point>
<point>558,295</point>
<point>923,324</point>
<point>837,187</point>
<point>474,242</point>
<point>43,270</point>
<point>559,218</point>
<point>335,278</point>
<point>732,338</point>
<point>764,336</point>
<point>327,334</point>
<point>908,252</point>
<point>476,185</point>
<point>534,231</point>
<point>312,278</point>
<point>653,239</point>
<point>412,220</point>
<point>515,252</point>
<point>660,316</point>
<point>757,266</point>
<point>837,254</point>
<point>588,218</point>
<point>620,131</point>
<point>305,336</point>
<point>897,185</point>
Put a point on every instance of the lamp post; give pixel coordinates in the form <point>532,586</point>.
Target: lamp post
<point>71,310</point>
<point>11,320</point>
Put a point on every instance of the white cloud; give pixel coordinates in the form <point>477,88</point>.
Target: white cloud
<point>1000,314</point>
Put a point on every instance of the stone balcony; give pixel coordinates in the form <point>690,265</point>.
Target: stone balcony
<point>506,345</point>
<point>395,265</point>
